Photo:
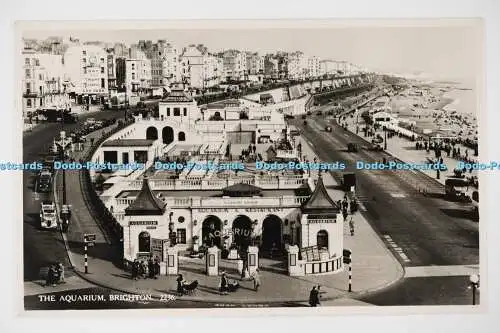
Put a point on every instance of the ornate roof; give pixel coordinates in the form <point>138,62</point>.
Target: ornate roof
<point>178,95</point>
<point>145,203</point>
<point>320,201</point>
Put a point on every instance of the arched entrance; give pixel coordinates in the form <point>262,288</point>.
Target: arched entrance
<point>144,242</point>
<point>271,232</point>
<point>211,231</point>
<point>167,134</point>
<point>322,239</point>
<point>151,133</point>
<point>242,231</point>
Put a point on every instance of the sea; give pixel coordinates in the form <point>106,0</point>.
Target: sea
<point>464,95</point>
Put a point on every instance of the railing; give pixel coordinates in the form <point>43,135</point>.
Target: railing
<point>193,202</point>
<point>328,266</point>
<point>215,183</point>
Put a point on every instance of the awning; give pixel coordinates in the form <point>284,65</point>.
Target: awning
<point>241,190</point>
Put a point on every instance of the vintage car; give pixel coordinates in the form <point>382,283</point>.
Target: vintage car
<point>352,147</point>
<point>48,218</point>
<point>44,181</point>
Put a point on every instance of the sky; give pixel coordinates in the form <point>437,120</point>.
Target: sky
<point>450,52</point>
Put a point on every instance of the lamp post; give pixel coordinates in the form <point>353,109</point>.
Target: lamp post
<point>474,281</point>
<point>385,138</point>
<point>62,144</point>
<point>292,226</point>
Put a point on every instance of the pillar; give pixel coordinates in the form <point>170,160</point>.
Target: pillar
<point>295,267</point>
<point>253,259</point>
<point>171,261</point>
<point>212,261</point>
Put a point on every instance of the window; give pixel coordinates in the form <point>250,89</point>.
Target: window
<point>28,102</point>
<point>84,52</point>
<point>168,112</point>
<point>37,62</point>
<point>181,137</point>
<point>84,70</point>
<point>28,87</point>
<point>185,112</point>
<point>133,76</point>
<point>28,73</point>
<point>102,70</point>
<point>181,219</point>
<point>177,112</point>
<point>103,83</point>
<point>40,77</point>
<point>102,60</point>
<point>181,236</point>
<point>27,61</point>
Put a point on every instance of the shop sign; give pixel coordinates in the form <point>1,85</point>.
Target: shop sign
<point>143,223</point>
<point>157,246</point>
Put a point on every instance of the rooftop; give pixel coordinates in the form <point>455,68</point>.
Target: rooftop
<point>128,143</point>
<point>177,95</point>
<point>146,203</point>
<point>320,201</point>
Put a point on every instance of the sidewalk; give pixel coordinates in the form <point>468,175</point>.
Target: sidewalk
<point>405,150</point>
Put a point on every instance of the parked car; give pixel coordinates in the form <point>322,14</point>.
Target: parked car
<point>48,218</point>
<point>352,147</point>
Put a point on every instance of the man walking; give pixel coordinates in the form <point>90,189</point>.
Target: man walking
<point>256,280</point>
<point>314,297</point>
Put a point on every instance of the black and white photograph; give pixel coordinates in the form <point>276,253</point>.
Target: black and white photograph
<point>229,164</point>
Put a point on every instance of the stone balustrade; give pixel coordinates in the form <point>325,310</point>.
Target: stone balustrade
<point>194,202</point>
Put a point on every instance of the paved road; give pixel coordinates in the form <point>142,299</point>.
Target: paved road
<point>450,290</point>
<point>42,246</point>
<point>425,230</point>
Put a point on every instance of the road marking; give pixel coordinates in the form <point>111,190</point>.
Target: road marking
<point>398,195</point>
<point>451,270</point>
<point>396,248</point>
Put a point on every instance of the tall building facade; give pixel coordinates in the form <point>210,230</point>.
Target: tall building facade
<point>137,72</point>
<point>235,65</point>
<point>86,69</point>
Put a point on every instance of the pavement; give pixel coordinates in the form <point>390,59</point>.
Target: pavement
<point>373,268</point>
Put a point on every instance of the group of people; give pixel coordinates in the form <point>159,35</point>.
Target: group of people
<point>55,275</point>
<point>141,269</point>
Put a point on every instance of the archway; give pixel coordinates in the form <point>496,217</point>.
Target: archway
<point>242,231</point>
<point>271,232</point>
<point>144,242</point>
<point>181,136</point>
<point>167,134</point>
<point>322,239</point>
<point>211,231</point>
<point>151,133</point>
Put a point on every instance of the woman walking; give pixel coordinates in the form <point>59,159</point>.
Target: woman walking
<point>256,280</point>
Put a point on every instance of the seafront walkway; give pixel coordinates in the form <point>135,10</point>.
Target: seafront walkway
<point>405,150</point>
<point>373,267</point>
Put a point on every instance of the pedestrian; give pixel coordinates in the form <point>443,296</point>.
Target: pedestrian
<point>157,268</point>
<point>135,269</point>
<point>256,279</point>
<point>314,297</point>
<point>351,226</point>
<point>49,281</point>
<point>60,271</point>
<point>223,284</point>
<point>151,268</point>
<point>180,284</point>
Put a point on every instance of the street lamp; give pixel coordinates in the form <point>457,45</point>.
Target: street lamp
<point>62,144</point>
<point>385,138</point>
<point>474,281</point>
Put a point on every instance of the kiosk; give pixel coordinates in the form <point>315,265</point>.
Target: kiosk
<point>212,261</point>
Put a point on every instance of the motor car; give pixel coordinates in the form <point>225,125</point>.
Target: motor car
<point>377,140</point>
<point>44,181</point>
<point>319,113</point>
<point>328,128</point>
<point>304,117</point>
<point>48,218</point>
<point>90,121</point>
<point>288,116</point>
<point>352,147</point>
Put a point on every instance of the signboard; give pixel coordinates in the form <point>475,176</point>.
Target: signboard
<point>89,239</point>
<point>310,253</point>
<point>157,246</point>
<point>155,223</point>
